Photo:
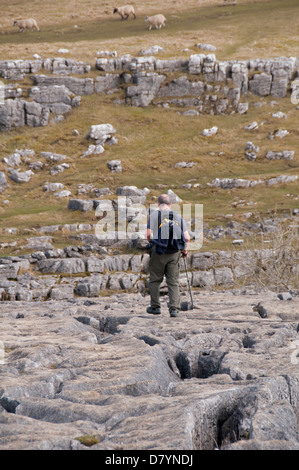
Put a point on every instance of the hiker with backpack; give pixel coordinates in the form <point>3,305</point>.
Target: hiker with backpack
<point>167,233</point>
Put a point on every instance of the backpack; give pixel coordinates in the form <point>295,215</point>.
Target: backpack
<point>170,235</point>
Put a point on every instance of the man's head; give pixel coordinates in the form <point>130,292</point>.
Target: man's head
<point>164,201</point>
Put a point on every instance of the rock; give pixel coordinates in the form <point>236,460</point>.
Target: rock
<point>107,53</point>
<point>93,150</point>
<point>284,155</point>
<point>109,81</point>
<point>39,243</point>
<point>59,169</point>
<point>280,133</point>
<point>203,279</point>
<point>229,183</point>
<point>52,187</point>
<point>145,88</point>
<point>251,151</point>
<point>210,132</point>
<point>175,199</point>
<point>281,179</point>
<point>64,193</point>
<point>12,114</point>
<point>95,265</point>
<point>279,115</point>
<point>53,157</point>
<point>57,97</point>
<point>242,108</point>
<point>78,86</point>
<point>21,177</point>
<point>115,166</point>
<point>151,50</point>
<point>88,288</point>
<point>285,296</point>
<point>67,266</point>
<point>3,182</point>
<point>12,160</point>
<point>101,133</point>
<point>260,84</point>
<point>252,126</point>
<point>83,205</point>
<point>36,114</point>
<point>132,193</point>
<point>61,292</point>
<point>185,164</point>
<point>206,374</point>
<point>206,47</point>
<point>36,166</point>
<point>190,112</point>
<point>223,276</point>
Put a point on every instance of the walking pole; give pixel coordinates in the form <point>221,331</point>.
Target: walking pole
<point>188,282</point>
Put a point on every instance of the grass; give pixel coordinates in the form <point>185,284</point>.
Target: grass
<point>151,140</point>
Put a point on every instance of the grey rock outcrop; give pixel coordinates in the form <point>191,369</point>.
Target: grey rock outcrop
<point>144,89</point>
<point>3,182</point>
<point>105,368</point>
<point>17,69</point>
<point>78,86</point>
<point>20,177</point>
<point>284,155</point>
<point>12,114</point>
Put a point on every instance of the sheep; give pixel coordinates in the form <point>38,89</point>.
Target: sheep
<point>156,20</point>
<point>125,11</point>
<point>232,2</point>
<point>26,24</point>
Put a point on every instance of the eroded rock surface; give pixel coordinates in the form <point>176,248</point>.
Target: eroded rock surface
<point>217,376</point>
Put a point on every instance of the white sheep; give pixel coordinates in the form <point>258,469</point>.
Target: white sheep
<point>30,23</point>
<point>125,11</point>
<point>156,20</point>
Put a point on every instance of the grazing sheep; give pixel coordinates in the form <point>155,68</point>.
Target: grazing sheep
<point>26,24</point>
<point>233,2</point>
<point>125,11</point>
<point>156,20</point>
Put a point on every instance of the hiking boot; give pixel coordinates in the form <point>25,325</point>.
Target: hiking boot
<point>174,312</point>
<point>154,310</point>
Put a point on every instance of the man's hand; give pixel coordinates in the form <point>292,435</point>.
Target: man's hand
<point>184,253</point>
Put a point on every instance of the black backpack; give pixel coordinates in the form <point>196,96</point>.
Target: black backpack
<point>170,234</point>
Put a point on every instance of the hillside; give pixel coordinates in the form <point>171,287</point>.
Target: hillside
<point>98,117</point>
<point>152,139</point>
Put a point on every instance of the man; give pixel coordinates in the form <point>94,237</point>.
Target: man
<point>168,235</point>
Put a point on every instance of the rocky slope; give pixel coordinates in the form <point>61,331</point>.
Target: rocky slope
<point>218,376</point>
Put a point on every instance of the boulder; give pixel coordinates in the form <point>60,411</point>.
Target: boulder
<point>21,177</point>
<point>114,166</point>
<point>3,182</point>
<point>260,84</point>
<point>59,266</point>
<point>12,114</point>
<point>284,155</point>
<point>83,205</point>
<point>101,133</point>
<point>251,151</point>
<point>78,86</point>
<point>145,88</point>
<point>210,132</point>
